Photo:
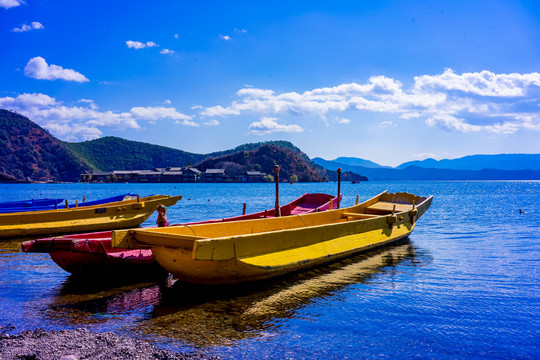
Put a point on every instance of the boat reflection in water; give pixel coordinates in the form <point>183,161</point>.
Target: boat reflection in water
<point>219,315</point>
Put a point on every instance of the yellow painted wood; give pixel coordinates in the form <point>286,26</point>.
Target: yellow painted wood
<point>82,219</point>
<point>384,206</point>
<point>359,216</point>
<point>329,248</point>
<point>256,249</point>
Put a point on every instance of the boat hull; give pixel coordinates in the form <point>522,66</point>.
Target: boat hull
<point>116,215</point>
<point>258,249</point>
<point>84,264</point>
<point>179,262</point>
<point>90,254</point>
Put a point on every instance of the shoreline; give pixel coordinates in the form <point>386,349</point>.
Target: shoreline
<point>79,344</point>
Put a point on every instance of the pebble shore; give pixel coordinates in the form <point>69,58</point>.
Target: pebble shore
<point>78,345</point>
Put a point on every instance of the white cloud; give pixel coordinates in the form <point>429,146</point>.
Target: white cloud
<point>225,37</point>
<point>139,45</point>
<point>482,101</point>
<point>166,52</point>
<point>410,115</point>
<point>90,103</point>
<point>10,3</point>
<point>343,121</point>
<point>387,124</point>
<point>176,36</point>
<point>28,100</point>
<point>135,44</point>
<point>269,125</point>
<point>158,112</point>
<point>38,68</point>
<point>33,26</point>
<point>484,83</point>
<point>187,123</point>
<point>74,131</point>
<point>211,123</point>
<point>168,102</point>
<point>85,122</point>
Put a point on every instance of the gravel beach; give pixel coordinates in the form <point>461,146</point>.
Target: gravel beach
<point>77,345</point>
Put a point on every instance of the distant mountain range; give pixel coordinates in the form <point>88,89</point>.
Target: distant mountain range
<point>27,151</point>
<point>480,162</point>
<point>474,167</point>
<point>358,162</point>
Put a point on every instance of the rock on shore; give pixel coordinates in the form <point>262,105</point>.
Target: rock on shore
<point>79,344</point>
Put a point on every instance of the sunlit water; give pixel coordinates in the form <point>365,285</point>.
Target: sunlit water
<point>465,285</point>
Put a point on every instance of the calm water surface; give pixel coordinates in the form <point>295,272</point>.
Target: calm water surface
<point>465,285</point>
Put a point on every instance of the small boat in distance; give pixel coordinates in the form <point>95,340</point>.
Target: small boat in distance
<point>250,250</point>
<point>101,216</point>
<point>92,253</point>
<point>54,204</point>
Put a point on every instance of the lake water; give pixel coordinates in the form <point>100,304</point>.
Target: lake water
<point>465,285</point>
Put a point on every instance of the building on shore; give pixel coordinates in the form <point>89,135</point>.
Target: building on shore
<point>170,175</point>
<point>214,175</point>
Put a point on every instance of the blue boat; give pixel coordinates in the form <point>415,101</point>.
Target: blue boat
<point>29,203</point>
<point>52,204</point>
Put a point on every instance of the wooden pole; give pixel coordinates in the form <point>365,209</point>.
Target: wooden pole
<point>244,209</point>
<point>338,186</point>
<point>276,179</point>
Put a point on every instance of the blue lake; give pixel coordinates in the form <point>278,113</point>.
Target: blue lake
<point>465,285</point>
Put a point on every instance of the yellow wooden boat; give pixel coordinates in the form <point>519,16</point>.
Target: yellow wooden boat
<point>223,253</point>
<point>108,216</point>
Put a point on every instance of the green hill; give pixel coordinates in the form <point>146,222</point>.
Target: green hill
<point>253,146</point>
<point>263,157</point>
<point>112,153</point>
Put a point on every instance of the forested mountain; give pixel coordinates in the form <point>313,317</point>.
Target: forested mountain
<point>113,153</point>
<point>263,157</point>
<point>29,151</point>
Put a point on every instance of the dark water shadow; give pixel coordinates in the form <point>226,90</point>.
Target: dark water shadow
<point>217,315</point>
<point>78,299</point>
<point>11,245</point>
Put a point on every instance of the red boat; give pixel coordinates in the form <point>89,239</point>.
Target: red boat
<point>91,253</point>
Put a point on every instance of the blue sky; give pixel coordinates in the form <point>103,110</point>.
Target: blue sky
<point>388,81</point>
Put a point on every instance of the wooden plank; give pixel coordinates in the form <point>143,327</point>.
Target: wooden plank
<point>360,216</point>
<point>383,206</point>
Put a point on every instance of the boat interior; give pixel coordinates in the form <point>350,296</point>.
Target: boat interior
<point>184,236</point>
